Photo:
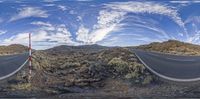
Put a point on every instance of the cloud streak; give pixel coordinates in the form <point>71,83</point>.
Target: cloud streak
<point>29,12</point>
<point>46,36</point>
<point>2,32</point>
<point>113,13</point>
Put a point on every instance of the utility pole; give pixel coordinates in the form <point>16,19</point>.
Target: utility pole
<point>30,58</point>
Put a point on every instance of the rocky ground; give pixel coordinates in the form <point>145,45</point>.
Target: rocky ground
<point>98,71</point>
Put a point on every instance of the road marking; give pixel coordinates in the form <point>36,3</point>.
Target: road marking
<point>166,77</point>
<point>170,58</point>
<point>180,59</point>
<point>11,74</point>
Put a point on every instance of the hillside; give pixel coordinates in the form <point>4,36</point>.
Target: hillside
<point>13,49</point>
<point>172,47</point>
<point>81,48</point>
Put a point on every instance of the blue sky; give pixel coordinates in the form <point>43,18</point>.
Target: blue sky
<point>105,22</point>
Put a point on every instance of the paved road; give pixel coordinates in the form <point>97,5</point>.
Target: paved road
<point>11,64</point>
<point>171,67</point>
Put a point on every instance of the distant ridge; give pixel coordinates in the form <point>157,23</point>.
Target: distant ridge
<point>173,47</point>
<point>94,47</point>
<point>13,49</point>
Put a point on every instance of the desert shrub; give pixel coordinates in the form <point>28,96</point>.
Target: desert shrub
<point>137,67</point>
<point>132,75</point>
<point>147,80</point>
<point>119,65</point>
<point>22,86</point>
<point>138,74</point>
<point>69,65</point>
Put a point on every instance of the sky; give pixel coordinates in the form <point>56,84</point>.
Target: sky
<point>105,22</point>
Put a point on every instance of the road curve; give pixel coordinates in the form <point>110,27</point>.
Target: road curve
<point>171,67</point>
<point>11,64</point>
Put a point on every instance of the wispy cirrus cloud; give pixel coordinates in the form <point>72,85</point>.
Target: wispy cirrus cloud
<point>149,8</point>
<point>192,19</point>
<point>95,22</point>
<point>51,1</point>
<point>46,36</point>
<point>83,34</point>
<point>29,12</point>
<point>194,22</point>
<point>112,14</point>
<point>81,0</point>
<point>40,23</point>
<point>185,1</point>
<point>63,8</point>
<point>2,32</point>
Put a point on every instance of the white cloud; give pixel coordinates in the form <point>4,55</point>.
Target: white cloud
<point>128,40</point>
<point>195,32</point>
<point>185,1</point>
<point>109,19</point>
<point>81,0</point>
<point>49,5</point>
<point>111,16</point>
<point>2,32</point>
<point>40,23</point>
<point>46,36</point>
<point>147,7</point>
<point>101,33</point>
<point>192,19</point>
<point>72,12</point>
<point>51,1</point>
<point>63,8</point>
<point>82,34</point>
<point>195,38</point>
<point>79,18</point>
<point>29,12</point>
<point>107,22</point>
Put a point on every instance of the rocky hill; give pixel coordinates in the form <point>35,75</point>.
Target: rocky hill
<point>81,48</point>
<point>172,47</point>
<point>13,49</point>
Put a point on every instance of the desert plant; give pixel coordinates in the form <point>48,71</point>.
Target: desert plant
<point>119,65</point>
<point>22,86</point>
<point>147,80</point>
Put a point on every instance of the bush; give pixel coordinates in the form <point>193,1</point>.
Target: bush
<point>22,86</point>
<point>119,65</point>
<point>132,75</point>
<point>147,80</point>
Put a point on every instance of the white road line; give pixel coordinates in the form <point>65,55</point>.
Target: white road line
<point>11,74</point>
<point>176,59</point>
<point>166,77</point>
<point>180,59</point>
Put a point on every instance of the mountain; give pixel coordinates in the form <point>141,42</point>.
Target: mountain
<point>172,47</point>
<point>13,49</point>
<point>86,48</point>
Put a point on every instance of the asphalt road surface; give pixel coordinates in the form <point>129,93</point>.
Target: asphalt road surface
<point>11,64</point>
<point>171,67</point>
